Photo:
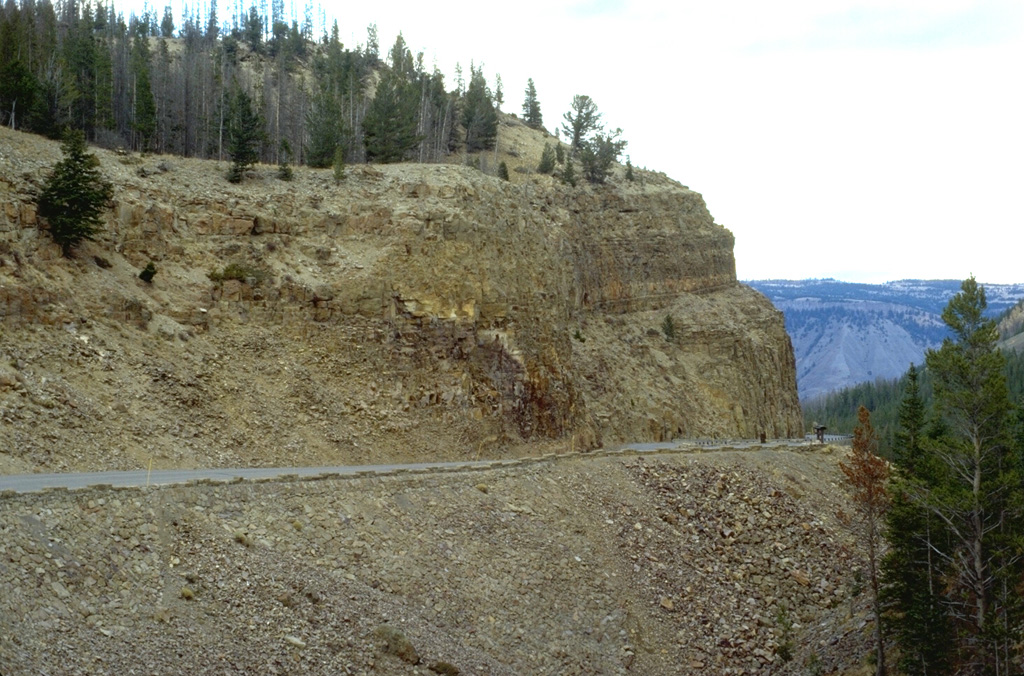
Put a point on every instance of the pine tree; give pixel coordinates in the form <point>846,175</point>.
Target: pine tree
<point>325,123</point>
<point>74,195</point>
<point>167,23</point>
<point>245,134</point>
<point>867,473</point>
<point>955,566</point>
<point>581,121</point>
<point>372,45</point>
<point>18,89</point>
<point>912,576</point>
<point>597,155</point>
<point>668,327</point>
<point>531,107</point>
<point>569,173</point>
<point>339,166</point>
<point>78,57</point>
<point>390,128</point>
<point>143,104</point>
<point>981,497</point>
<point>479,117</point>
<point>503,171</point>
<point>284,170</point>
<point>547,160</point>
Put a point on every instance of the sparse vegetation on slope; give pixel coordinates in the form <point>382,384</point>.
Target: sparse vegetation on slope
<point>659,565</point>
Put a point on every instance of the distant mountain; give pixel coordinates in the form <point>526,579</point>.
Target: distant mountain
<point>845,333</point>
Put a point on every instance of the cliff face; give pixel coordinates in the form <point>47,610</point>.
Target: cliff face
<point>411,311</point>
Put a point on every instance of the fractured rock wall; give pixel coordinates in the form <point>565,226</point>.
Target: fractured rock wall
<point>501,312</point>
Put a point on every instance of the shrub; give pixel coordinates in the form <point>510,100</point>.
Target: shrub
<point>148,273</point>
<point>240,272</point>
<point>785,625</point>
<point>668,327</point>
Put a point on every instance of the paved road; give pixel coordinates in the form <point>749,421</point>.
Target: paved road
<point>29,483</point>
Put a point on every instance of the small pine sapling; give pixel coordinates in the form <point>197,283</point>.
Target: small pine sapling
<point>284,170</point>
<point>569,174</point>
<point>547,160</point>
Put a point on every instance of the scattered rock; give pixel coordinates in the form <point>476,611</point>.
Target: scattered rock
<point>395,643</point>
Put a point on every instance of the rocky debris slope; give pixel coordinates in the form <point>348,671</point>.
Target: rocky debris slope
<point>307,321</point>
<point>715,563</point>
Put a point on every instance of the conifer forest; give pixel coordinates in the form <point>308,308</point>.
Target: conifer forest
<point>190,85</point>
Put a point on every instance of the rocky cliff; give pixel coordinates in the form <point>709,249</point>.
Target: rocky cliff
<point>410,311</point>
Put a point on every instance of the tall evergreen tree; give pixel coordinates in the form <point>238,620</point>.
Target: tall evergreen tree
<point>965,484</point>
<point>389,128</point>
<point>167,23</point>
<point>479,117</point>
<point>372,45</point>
<point>245,134</point>
<point>912,573</point>
<point>143,103</point>
<point>908,439</point>
<point>531,107</point>
<point>78,69</point>
<point>325,124</point>
<point>982,496</point>
<point>74,195</point>
<point>18,90</point>
<point>390,125</point>
<point>580,121</point>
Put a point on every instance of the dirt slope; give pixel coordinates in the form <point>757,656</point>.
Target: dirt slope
<point>667,564</point>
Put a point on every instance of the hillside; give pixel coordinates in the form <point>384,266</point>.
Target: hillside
<point>838,410</point>
<point>665,564</point>
<point>411,312</point>
<point>1011,328</point>
<point>844,333</point>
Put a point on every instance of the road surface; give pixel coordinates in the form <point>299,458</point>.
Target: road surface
<point>30,483</point>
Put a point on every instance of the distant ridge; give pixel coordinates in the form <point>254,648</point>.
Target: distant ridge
<point>845,333</point>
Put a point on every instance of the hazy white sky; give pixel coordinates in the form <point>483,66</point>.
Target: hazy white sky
<point>866,140</point>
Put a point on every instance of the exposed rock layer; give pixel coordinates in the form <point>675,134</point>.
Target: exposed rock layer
<point>407,301</point>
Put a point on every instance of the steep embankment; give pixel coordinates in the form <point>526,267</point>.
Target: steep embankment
<point>413,311</point>
<point>676,563</point>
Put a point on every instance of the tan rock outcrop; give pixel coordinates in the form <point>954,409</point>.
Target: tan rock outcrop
<point>497,312</point>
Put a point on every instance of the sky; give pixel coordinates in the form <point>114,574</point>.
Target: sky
<point>863,140</point>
